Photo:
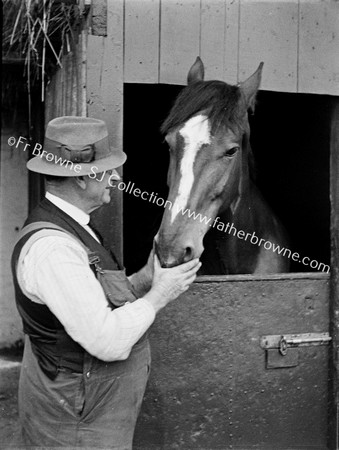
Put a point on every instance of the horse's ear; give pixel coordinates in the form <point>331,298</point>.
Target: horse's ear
<point>250,87</point>
<point>196,72</point>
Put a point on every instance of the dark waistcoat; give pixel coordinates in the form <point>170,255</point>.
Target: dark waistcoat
<point>53,347</point>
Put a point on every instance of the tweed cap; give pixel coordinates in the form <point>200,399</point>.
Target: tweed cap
<point>75,146</point>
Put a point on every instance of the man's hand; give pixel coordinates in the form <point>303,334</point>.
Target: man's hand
<point>168,284</point>
<point>142,280</point>
<point>149,268</point>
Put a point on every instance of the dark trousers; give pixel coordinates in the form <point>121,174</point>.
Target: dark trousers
<point>94,409</point>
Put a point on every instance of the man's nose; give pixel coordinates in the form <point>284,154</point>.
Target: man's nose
<point>115,175</point>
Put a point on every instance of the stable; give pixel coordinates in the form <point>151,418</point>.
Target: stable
<point>242,361</point>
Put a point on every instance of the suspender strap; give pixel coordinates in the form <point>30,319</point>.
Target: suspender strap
<point>41,225</point>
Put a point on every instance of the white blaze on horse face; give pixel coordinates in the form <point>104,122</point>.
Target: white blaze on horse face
<point>196,133</point>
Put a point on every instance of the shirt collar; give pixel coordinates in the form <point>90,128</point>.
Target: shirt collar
<point>77,214</point>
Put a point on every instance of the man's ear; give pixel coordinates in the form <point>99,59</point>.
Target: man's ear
<point>250,87</point>
<point>81,182</point>
<point>196,72</point>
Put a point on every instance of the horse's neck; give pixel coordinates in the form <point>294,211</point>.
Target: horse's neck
<point>229,248</point>
<point>246,210</point>
<point>226,251</point>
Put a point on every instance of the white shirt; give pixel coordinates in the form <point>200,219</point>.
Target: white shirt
<point>55,272</point>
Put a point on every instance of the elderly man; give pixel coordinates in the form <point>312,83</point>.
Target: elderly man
<point>87,357</point>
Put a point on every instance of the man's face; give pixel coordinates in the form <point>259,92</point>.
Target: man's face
<point>98,189</point>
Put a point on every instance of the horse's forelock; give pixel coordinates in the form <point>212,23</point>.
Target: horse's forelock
<point>220,101</point>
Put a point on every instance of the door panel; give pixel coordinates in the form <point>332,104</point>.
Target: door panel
<point>209,386</point>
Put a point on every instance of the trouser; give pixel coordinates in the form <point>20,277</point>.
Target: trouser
<point>97,408</point>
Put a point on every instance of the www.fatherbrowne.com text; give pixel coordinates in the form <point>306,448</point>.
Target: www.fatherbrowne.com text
<point>229,228</point>
<point>153,198</point>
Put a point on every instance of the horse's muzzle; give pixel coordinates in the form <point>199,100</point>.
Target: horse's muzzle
<point>171,255</point>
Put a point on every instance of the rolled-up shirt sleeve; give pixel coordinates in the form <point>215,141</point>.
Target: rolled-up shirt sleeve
<point>55,272</point>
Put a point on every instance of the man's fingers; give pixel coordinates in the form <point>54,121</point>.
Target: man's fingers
<point>156,262</point>
<point>153,247</point>
<point>190,280</point>
<point>194,270</point>
<point>185,267</point>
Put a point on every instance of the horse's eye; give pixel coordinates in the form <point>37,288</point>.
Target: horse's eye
<point>232,151</point>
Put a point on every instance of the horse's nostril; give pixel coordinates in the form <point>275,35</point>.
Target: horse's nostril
<point>188,254</point>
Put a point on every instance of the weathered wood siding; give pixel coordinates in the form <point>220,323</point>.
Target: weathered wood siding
<point>65,92</point>
<point>90,84</point>
<point>297,39</point>
<point>105,101</point>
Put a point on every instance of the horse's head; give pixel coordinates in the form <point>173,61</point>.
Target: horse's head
<point>207,132</point>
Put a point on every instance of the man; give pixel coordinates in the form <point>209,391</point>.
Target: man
<point>87,357</point>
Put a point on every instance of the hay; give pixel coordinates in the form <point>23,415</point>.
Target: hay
<point>39,32</point>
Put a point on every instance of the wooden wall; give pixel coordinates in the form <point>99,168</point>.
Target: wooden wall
<point>298,40</point>
<point>104,88</point>
<point>90,84</point>
<point>65,92</point>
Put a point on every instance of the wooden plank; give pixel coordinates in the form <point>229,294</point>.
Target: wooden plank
<point>141,64</point>
<point>105,101</point>
<point>334,294</point>
<point>95,49</point>
<point>179,39</point>
<point>80,82</point>
<point>83,71</point>
<point>63,91</point>
<point>318,68</point>
<point>50,100</point>
<point>269,33</point>
<point>231,41</point>
<point>213,13</point>
<point>75,82</point>
<point>69,86</point>
<point>58,93</point>
<point>112,72</point>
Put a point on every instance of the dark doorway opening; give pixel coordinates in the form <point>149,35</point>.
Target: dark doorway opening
<point>15,118</point>
<point>290,137</point>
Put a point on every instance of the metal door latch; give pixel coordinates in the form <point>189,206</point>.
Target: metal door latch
<point>282,350</point>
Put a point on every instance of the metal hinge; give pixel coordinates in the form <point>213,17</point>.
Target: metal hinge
<point>277,345</point>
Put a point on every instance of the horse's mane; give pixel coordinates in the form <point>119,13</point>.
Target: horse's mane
<point>220,101</point>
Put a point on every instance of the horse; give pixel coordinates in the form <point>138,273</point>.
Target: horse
<point>214,210</point>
